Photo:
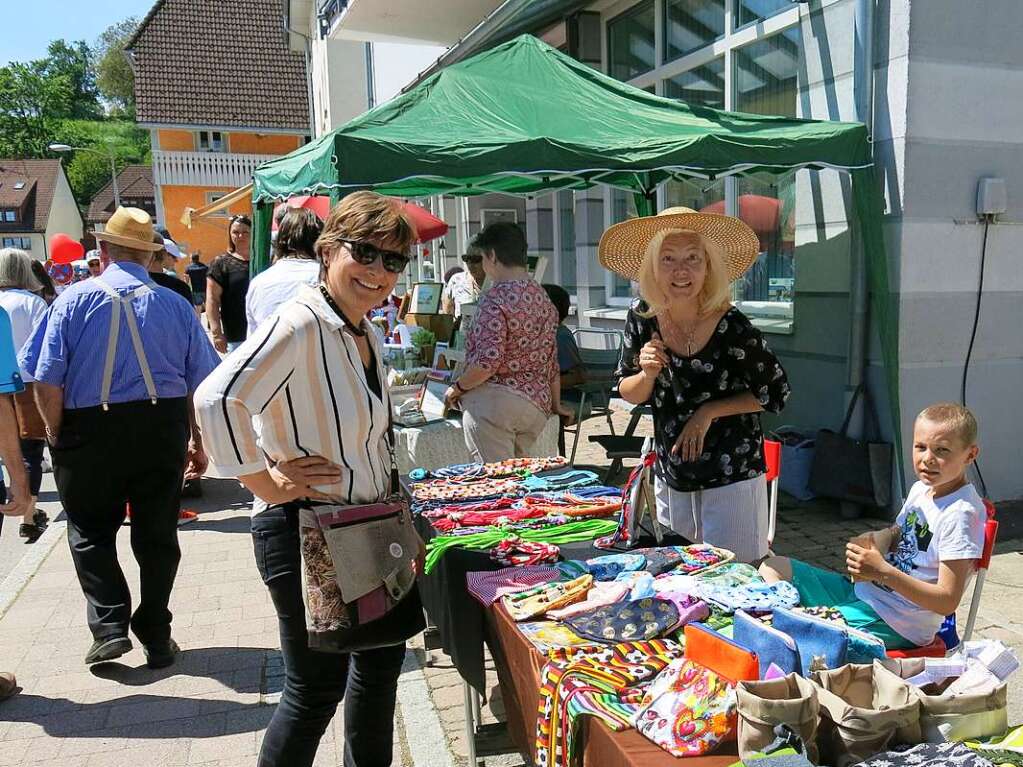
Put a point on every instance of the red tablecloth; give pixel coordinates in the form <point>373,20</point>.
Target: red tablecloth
<point>518,668</point>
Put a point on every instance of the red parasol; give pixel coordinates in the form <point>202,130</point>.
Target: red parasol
<point>319,205</point>
<point>427,225</point>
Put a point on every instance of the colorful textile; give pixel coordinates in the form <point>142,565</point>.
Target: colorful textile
<point>572,568</point>
<point>641,584</point>
<point>1007,749</point>
<point>676,583</point>
<point>608,567</point>
<point>564,481</point>
<point>515,551</point>
<point>731,574</point>
<point>700,556</point>
<point>660,560</point>
<point>627,529</point>
<point>547,636</point>
<point>539,599</point>
<point>602,593</point>
<point>752,597</point>
<point>950,754</point>
<point>688,710</point>
<point>596,676</point>
<point>628,621</point>
<point>490,585</point>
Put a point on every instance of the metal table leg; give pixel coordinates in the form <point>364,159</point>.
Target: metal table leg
<point>470,704</point>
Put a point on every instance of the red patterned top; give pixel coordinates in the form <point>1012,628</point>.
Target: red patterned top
<point>514,335</point>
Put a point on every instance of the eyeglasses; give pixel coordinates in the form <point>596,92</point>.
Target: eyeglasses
<point>367,254</point>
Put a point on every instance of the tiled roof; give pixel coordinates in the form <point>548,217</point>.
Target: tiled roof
<point>40,180</point>
<point>218,63</point>
<point>134,182</point>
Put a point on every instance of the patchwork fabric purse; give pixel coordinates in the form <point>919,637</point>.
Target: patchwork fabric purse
<point>721,655</point>
<point>763,706</point>
<point>770,644</point>
<point>688,710</point>
<point>609,567</point>
<point>627,621</point>
<point>538,600</point>
<point>824,644</point>
<point>864,709</point>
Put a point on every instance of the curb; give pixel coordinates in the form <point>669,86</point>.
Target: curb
<point>423,730</point>
<point>29,565</point>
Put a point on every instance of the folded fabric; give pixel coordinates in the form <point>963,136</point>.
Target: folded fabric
<point>490,585</point>
<point>773,647</point>
<point>515,551</point>
<point>590,681</point>
<point>928,755</point>
<point>572,568</point>
<point>601,594</point>
<point>608,567</point>
<point>720,654</point>
<point>690,609</point>
<point>627,621</point>
<point>660,560</point>
<point>688,710</point>
<point>640,583</point>
<point>701,556</point>
<point>677,583</point>
<point>753,597</point>
<point>822,645</point>
<point>537,600</point>
<point>1006,749</point>
<point>546,636</point>
<point>731,574</point>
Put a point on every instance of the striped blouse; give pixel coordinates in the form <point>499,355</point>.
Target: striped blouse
<point>295,388</point>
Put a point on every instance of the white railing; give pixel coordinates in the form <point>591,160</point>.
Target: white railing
<point>205,168</point>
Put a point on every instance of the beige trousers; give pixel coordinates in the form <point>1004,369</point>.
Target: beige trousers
<point>500,424</point>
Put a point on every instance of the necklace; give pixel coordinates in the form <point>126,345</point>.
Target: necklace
<point>682,333</point>
<point>355,330</point>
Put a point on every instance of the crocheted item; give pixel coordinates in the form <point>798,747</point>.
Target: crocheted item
<point>701,556</point>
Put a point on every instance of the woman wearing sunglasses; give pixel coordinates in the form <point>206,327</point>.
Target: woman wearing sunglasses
<point>313,373</point>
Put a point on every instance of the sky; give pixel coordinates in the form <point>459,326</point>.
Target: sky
<point>30,25</point>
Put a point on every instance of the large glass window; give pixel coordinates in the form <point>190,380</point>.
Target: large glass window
<point>565,212</point>
<point>749,11</point>
<point>630,42</point>
<point>703,86</point>
<point>623,207</point>
<point>691,24</point>
<point>765,75</point>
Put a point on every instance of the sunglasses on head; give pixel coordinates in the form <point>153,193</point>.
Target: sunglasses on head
<point>367,255</point>
<point>473,259</point>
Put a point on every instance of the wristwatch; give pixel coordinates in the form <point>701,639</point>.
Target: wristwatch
<point>460,388</point>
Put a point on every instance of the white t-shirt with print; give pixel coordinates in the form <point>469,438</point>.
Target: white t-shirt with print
<point>933,531</point>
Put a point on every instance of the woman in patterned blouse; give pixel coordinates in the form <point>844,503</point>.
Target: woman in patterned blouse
<point>705,370</point>
<point>511,383</point>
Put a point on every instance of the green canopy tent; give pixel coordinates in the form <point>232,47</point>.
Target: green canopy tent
<point>524,118</point>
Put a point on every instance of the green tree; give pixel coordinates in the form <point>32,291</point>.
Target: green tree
<point>70,64</point>
<point>32,101</point>
<point>114,74</point>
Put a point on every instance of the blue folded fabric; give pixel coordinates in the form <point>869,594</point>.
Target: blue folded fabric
<point>770,644</point>
<point>818,641</point>
<point>608,567</point>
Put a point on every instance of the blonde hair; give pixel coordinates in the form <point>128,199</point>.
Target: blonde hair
<point>954,417</point>
<point>364,215</point>
<point>715,295</point>
<point>16,270</point>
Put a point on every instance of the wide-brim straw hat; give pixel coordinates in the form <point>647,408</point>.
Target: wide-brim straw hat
<point>623,246</point>
<point>129,228</point>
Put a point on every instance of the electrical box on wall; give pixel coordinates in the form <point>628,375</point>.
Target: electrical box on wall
<point>992,198</point>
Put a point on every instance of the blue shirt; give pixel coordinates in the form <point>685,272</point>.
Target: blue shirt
<point>10,375</point>
<point>69,346</point>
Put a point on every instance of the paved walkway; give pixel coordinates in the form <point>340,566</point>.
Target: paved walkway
<point>212,707</point>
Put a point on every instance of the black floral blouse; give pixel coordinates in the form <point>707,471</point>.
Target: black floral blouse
<point>735,359</point>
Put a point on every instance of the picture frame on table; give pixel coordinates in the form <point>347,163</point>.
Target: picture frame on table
<point>425,298</point>
<point>432,403</point>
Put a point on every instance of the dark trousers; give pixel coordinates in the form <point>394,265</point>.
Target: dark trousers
<point>32,451</point>
<point>315,682</point>
<point>103,460</point>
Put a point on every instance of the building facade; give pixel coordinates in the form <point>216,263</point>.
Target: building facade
<point>221,93</point>
<point>36,203</point>
<point>941,93</point>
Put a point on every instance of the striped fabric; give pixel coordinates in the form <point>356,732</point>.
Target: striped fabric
<point>297,388</point>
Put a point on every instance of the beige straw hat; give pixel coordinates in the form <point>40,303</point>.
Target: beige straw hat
<point>130,228</point>
<point>623,245</point>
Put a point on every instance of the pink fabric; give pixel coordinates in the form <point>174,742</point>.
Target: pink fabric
<point>514,335</point>
<point>602,593</point>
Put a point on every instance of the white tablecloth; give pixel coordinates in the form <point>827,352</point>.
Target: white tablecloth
<point>442,443</point>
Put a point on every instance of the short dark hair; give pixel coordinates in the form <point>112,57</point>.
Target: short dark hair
<point>195,258</point>
<point>559,297</point>
<point>297,234</point>
<point>451,273</point>
<point>506,240</point>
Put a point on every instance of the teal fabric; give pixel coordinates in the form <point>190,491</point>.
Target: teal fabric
<point>823,588</point>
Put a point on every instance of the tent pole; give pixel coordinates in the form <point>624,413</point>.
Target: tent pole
<point>259,256</point>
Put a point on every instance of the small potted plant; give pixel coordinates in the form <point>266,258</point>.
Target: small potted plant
<point>425,341</point>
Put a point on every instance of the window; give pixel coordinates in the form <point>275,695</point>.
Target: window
<point>623,207</point>
<point>749,11</point>
<point>19,185</point>
<point>630,42</point>
<point>211,141</point>
<point>10,215</point>
<point>691,24</point>
<point>702,86</point>
<point>565,242</point>
<point>494,215</point>
<point>212,197</point>
<point>765,75</point>
<point>23,243</point>
<point>767,204</point>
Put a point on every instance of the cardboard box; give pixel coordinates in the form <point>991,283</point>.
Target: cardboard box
<point>440,324</point>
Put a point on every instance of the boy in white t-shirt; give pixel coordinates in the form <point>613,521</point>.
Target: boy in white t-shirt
<point>907,577</point>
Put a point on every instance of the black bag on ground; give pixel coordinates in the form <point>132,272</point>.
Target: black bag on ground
<point>847,469</point>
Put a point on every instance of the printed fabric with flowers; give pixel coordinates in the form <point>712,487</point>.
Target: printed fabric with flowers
<point>514,335</point>
<point>736,359</point>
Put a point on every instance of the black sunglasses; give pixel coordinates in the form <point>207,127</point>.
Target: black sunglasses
<point>367,254</point>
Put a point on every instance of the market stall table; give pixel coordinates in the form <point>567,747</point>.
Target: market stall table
<point>518,668</point>
<point>442,443</point>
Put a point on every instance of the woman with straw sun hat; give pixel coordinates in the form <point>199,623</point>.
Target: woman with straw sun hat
<point>705,370</point>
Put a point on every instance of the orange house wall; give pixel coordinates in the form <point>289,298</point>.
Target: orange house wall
<point>176,140</point>
<point>240,142</point>
<point>207,235</point>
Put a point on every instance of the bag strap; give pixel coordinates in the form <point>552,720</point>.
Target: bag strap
<point>868,404</point>
<point>391,449</point>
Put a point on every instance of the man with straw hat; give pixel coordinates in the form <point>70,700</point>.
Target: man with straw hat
<point>116,359</point>
<point>705,370</point>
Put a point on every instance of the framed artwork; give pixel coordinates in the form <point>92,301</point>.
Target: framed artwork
<point>493,215</point>
<point>432,403</point>
<point>425,298</point>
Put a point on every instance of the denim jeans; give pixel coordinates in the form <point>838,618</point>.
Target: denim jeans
<point>315,682</point>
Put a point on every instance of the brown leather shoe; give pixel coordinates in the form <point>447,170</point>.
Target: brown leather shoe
<point>8,685</point>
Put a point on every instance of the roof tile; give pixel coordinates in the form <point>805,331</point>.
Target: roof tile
<point>40,179</point>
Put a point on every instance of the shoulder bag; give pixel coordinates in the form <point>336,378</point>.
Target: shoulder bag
<point>358,574</point>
